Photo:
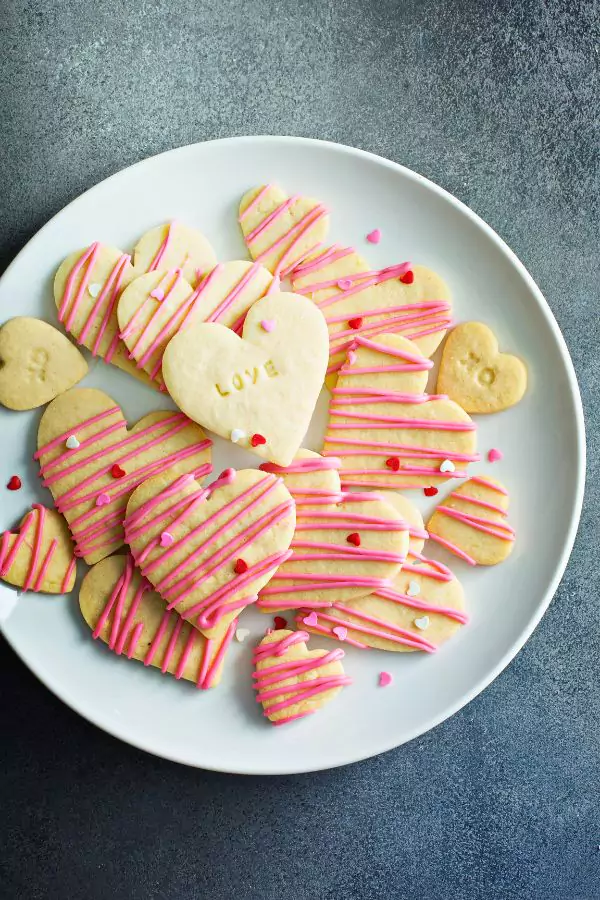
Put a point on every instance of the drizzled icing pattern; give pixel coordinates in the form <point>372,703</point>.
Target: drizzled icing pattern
<point>39,557</point>
<point>292,683</point>
<point>311,479</point>
<point>174,246</point>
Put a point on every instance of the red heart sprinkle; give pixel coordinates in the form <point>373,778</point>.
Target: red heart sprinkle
<point>14,484</point>
<point>257,439</point>
<point>393,463</point>
<point>117,471</point>
<point>408,277</point>
<point>355,323</point>
<point>279,622</point>
<point>430,491</point>
<point>240,567</point>
<point>354,538</point>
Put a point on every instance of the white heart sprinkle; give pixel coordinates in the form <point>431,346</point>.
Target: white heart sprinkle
<point>237,435</point>
<point>413,589</point>
<point>72,443</point>
<point>447,466</point>
<point>241,634</point>
<point>422,623</point>
<point>94,289</point>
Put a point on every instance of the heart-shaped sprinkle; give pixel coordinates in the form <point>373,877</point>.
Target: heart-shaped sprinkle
<point>102,500</point>
<point>422,623</point>
<point>14,483</point>
<point>385,679</point>
<point>413,589</point>
<point>408,277</point>
<point>157,294</point>
<point>340,632</point>
<point>72,443</point>
<point>344,284</point>
<point>279,622</point>
<point>268,324</point>
<point>354,538</point>
<point>241,634</point>
<point>355,323</point>
<point>374,236</point>
<point>257,439</point>
<point>311,619</point>
<point>166,539</point>
<point>94,289</point>
<point>117,472</point>
<point>237,435</point>
<point>240,567</point>
<point>430,491</point>
<point>495,455</point>
<point>447,466</point>
<point>393,463</point>
<point>351,357</point>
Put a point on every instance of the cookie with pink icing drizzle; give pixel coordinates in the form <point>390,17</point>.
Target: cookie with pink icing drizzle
<point>92,480</point>
<point>174,245</point>
<point>228,541</point>
<point>123,610</point>
<point>293,682</point>
<point>39,556</point>
<point>312,480</point>
<point>471,522</point>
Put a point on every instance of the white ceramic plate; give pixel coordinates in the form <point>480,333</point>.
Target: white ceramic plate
<point>542,440</point>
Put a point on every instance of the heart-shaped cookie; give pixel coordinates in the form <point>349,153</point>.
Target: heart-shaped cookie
<point>174,245</point>
<point>154,307</point>
<point>292,681</point>
<point>471,522</point>
<point>281,231</point>
<point>208,551</point>
<point>358,300</point>
<point>311,479</point>
<point>87,286</point>
<point>37,363</point>
<point>262,386</point>
<point>475,374</point>
<point>124,611</point>
<point>388,433</point>
<point>92,463</point>
<point>39,556</point>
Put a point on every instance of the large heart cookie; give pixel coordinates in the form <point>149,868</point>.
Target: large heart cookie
<point>156,306</point>
<point>471,522</point>
<point>385,430</point>
<point>174,246</point>
<point>122,610</point>
<point>260,389</point>
<point>92,463</point>
<point>281,231</point>
<point>292,681</point>
<point>357,300</point>
<point>37,363</point>
<point>208,551</point>
<point>475,374</point>
<point>39,556</point>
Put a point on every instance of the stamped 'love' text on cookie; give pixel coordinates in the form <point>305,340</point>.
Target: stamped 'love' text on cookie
<point>248,377</point>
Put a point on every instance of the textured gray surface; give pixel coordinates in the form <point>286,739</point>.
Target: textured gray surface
<point>497,102</point>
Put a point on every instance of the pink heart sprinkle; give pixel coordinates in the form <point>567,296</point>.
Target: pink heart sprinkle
<point>344,284</point>
<point>166,539</point>
<point>157,294</point>
<point>495,455</point>
<point>340,632</point>
<point>374,236</point>
<point>268,324</point>
<point>102,500</point>
<point>384,679</point>
<point>311,619</point>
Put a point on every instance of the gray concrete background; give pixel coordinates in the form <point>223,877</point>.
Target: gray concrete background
<point>497,102</point>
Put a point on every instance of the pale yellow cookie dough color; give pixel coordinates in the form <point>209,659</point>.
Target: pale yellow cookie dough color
<point>174,245</point>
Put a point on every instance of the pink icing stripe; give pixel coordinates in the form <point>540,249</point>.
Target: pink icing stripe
<point>112,348</point>
<point>37,544</point>
<point>89,257</point>
<point>156,261</point>
<point>289,269</point>
<point>392,632</point>
<point>207,674</point>
<point>299,231</point>
<point>254,203</point>
<point>158,636</point>
<point>469,499</point>
<point>327,256</point>
<point>400,450</point>
<point>135,636</point>
<point>422,605</point>
<point>62,437</point>
<point>171,645</point>
<point>68,574</point>
<point>405,470</point>
<point>299,466</point>
<point>143,357</point>
<point>401,323</point>
<point>409,310</point>
<point>452,548</point>
<point>376,276</point>
<point>273,674</point>
<point>339,551</point>
<point>44,567</point>
<point>359,396</point>
<point>392,351</point>
<point>137,515</point>
<point>502,531</point>
<point>127,623</point>
<point>494,487</point>
<point>268,220</point>
<point>108,292</point>
<point>395,422</point>
<point>295,695</point>
<point>235,292</point>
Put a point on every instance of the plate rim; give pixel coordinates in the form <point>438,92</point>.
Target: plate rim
<point>576,508</point>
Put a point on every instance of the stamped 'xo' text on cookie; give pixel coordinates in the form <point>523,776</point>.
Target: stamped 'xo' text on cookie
<point>36,368</point>
<point>241,380</point>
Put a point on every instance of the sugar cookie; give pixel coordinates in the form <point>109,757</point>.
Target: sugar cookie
<point>292,681</point>
<point>92,476</point>
<point>471,522</point>
<point>37,363</point>
<point>311,479</point>
<point>39,556</point>
<point>122,610</point>
<point>263,387</point>
<point>174,245</point>
<point>475,374</point>
<point>208,551</point>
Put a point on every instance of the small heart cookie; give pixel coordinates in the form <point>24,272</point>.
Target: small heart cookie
<point>475,374</point>
<point>92,477</point>
<point>37,363</point>
<point>156,306</point>
<point>385,430</point>
<point>174,245</point>
<point>228,540</point>
<point>281,231</point>
<point>292,681</point>
<point>39,556</point>
<point>471,522</point>
<point>264,384</point>
<point>122,610</point>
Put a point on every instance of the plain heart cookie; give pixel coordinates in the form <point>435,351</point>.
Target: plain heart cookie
<point>475,374</point>
<point>387,432</point>
<point>37,363</point>
<point>156,306</point>
<point>471,522</point>
<point>208,551</point>
<point>292,681</point>
<point>174,245</point>
<point>261,388</point>
<point>91,462</point>
<point>39,556</point>
<point>123,610</point>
